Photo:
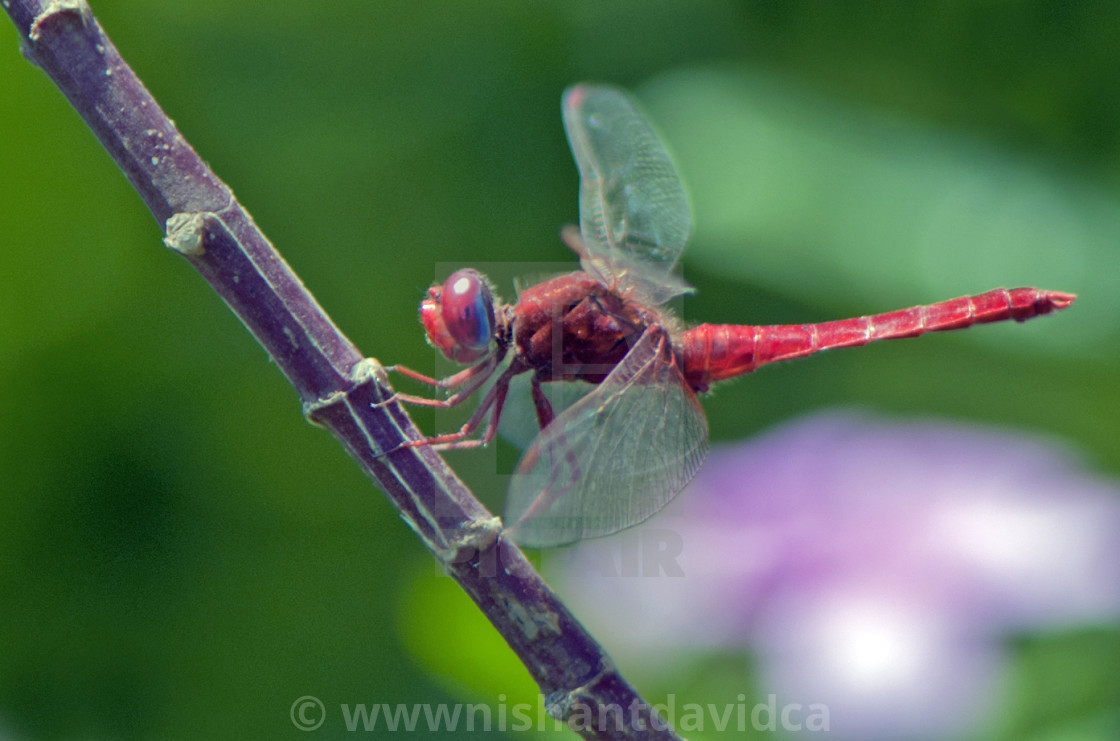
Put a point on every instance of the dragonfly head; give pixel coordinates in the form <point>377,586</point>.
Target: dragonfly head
<point>458,317</point>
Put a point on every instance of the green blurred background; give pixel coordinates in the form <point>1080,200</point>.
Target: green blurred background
<point>181,555</point>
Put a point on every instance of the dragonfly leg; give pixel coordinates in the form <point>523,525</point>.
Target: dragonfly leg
<point>491,404</point>
<point>551,493</point>
<point>470,379</point>
<point>545,415</point>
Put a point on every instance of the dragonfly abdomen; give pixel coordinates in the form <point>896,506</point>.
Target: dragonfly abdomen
<point>716,352</point>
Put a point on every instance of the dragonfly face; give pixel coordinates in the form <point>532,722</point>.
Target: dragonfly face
<point>458,317</point>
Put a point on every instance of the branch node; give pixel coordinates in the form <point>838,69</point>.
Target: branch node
<point>185,231</point>
<point>559,704</point>
<point>312,408</point>
<point>61,9</point>
<point>369,369</point>
<point>366,370</point>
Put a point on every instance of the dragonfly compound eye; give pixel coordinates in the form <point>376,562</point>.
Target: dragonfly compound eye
<point>468,309</point>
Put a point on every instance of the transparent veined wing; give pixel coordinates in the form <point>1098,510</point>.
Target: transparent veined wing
<point>615,457</point>
<point>634,214</point>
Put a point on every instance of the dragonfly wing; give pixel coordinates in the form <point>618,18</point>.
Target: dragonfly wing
<point>634,214</point>
<point>519,425</point>
<point>615,457</point>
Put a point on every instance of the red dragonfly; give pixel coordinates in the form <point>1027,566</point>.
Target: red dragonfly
<point>626,448</point>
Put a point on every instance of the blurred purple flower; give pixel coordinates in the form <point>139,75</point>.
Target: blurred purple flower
<point>867,564</point>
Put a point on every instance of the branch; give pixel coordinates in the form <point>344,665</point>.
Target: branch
<point>340,389</point>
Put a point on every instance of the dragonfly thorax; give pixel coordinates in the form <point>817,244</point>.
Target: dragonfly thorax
<point>575,328</point>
